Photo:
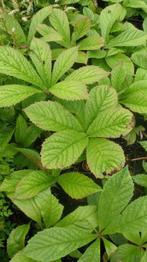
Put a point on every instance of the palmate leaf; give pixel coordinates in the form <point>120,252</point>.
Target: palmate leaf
<point>111,123</point>
<point>41,57</point>
<point>88,74</point>
<point>63,149</point>
<point>59,21</point>
<point>130,37</point>
<point>77,185</point>
<point>16,240</point>
<point>12,94</point>
<point>37,20</point>
<point>63,63</point>
<point>13,63</point>
<point>48,33</point>
<point>109,16</point>
<point>92,253</point>
<point>104,156</point>
<point>135,97</point>
<point>115,196</point>
<point>70,90</point>
<point>100,98</point>
<point>52,116</point>
<point>54,243</point>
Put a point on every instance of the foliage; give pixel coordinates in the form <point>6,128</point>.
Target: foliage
<point>73,112</point>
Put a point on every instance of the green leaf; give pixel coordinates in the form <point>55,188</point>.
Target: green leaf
<point>9,183</point>
<point>32,155</point>
<point>88,74</point>
<point>16,240</point>
<point>32,184</point>
<point>115,196</point>
<point>41,57</point>
<point>21,127</point>
<point>109,16</point>
<point>135,97</point>
<point>109,247</point>
<point>13,28</point>
<point>44,208</point>
<point>127,253</point>
<point>100,98</point>
<point>139,58</point>
<point>112,123</point>
<point>144,144</point>
<point>52,116</point>
<point>92,42</point>
<point>50,208</point>
<point>92,253</point>
<point>54,243</point>
<point>77,185</point>
<point>130,37</point>
<point>63,149</point>
<point>59,21</point>
<point>37,19</point>
<point>70,90</point>
<point>140,180</point>
<point>135,216</point>
<point>83,216</point>
<point>20,257</point>
<point>81,27</point>
<point>13,63</point>
<point>13,94</point>
<point>119,59</point>
<point>49,34</point>
<point>104,156</point>
<point>63,63</point>
<point>144,257</point>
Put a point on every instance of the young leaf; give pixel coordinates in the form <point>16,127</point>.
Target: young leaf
<point>70,90</point>
<point>109,247</point>
<point>109,16</point>
<point>37,19</point>
<point>130,37</point>
<point>115,196</point>
<point>81,27</point>
<point>104,156</point>
<point>83,216</point>
<point>16,239</point>
<point>144,144</point>
<point>13,63</point>
<point>135,97</point>
<point>41,57</point>
<point>77,185</point>
<point>63,63</point>
<point>100,98</point>
<point>52,116</point>
<point>63,149</point>
<point>54,243</point>
<point>13,94</point>
<point>32,155</point>
<point>20,129</point>
<point>59,21</point>
<point>88,74</point>
<point>32,184</point>
<point>111,123</point>
<point>92,253</point>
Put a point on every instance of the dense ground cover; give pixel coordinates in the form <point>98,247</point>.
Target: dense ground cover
<point>73,142</point>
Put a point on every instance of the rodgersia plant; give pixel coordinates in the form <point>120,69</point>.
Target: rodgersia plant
<point>72,95</point>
